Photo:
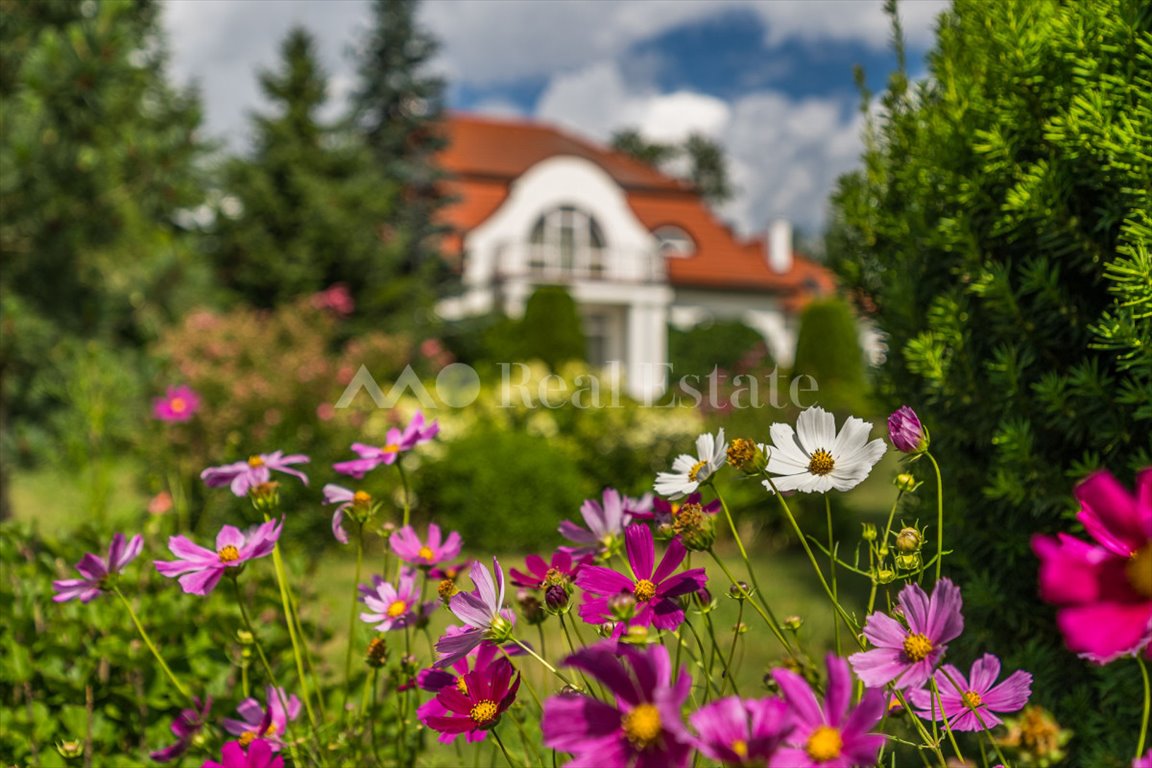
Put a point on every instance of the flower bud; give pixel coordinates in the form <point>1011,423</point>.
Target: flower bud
<point>885,576</point>
<point>740,591</point>
<point>70,749</point>
<point>363,507</point>
<point>244,637</point>
<point>555,578</point>
<point>530,607</point>
<point>747,456</point>
<point>909,541</point>
<point>499,631</point>
<point>793,623</point>
<point>556,598</point>
<point>446,589</point>
<point>695,527</point>
<point>637,635</point>
<point>909,562</point>
<point>906,432</point>
<point>869,533</point>
<point>377,653</point>
<point>740,628</point>
<point>265,497</point>
<point>906,482</point>
<point>622,605</point>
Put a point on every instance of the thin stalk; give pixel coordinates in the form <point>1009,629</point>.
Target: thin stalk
<point>1147,707</point>
<point>285,601</point>
<point>832,570</point>
<point>503,749</point>
<point>540,659</point>
<point>725,663</point>
<point>947,725</point>
<point>939,515</point>
<point>732,650</point>
<point>152,646</point>
<point>407,514</point>
<point>352,614</point>
<point>769,619</point>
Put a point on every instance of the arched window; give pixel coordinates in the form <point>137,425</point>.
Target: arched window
<point>674,241</point>
<point>566,241</point>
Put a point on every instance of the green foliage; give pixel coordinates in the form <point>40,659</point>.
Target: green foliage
<point>728,345</point>
<point>1000,229</point>
<point>550,329</point>
<point>828,350</point>
<point>706,167</point>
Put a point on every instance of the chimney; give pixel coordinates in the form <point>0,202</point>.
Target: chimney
<point>779,244</point>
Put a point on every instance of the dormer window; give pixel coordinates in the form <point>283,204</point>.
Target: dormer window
<point>566,241</point>
<point>675,242</point>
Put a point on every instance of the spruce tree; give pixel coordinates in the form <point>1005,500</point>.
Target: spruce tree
<point>1000,229</point>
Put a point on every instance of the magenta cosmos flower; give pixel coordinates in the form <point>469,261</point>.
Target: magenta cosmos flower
<point>606,522</point>
<point>200,569</point>
<point>1143,762</point>
<point>178,404</point>
<point>832,736</point>
<point>344,499</point>
<point>653,590</point>
<point>242,476</point>
<point>906,432</point>
<point>482,612</point>
<point>259,755</point>
<point>96,570</point>
<point>186,725</point>
<point>1104,590</point>
<point>971,703</point>
<point>395,443</point>
<point>561,570</point>
<point>436,679</point>
<point>734,731</point>
<point>906,655</point>
<point>395,607</point>
<point>409,548</point>
<point>643,729</point>
<point>477,701</point>
<point>269,723</point>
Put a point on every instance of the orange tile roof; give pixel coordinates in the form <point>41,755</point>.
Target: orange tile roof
<point>485,155</point>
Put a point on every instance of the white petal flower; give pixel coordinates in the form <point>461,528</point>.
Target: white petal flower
<point>815,459</point>
<point>689,472</point>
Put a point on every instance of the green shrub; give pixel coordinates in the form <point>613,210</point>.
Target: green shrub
<point>550,329</point>
<point>728,345</point>
<point>1000,229</point>
<point>828,350</point>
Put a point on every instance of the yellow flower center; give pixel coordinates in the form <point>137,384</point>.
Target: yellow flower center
<point>740,747</point>
<point>644,590</point>
<point>824,744</point>
<point>247,738</point>
<point>177,404</point>
<point>972,699</point>
<point>917,646</point>
<point>461,685</point>
<point>553,578</point>
<point>642,725</point>
<point>255,462</point>
<point>426,553</point>
<point>361,497</point>
<point>483,712</point>
<point>695,471</point>
<point>390,448</point>
<point>446,589</point>
<point>229,554</point>
<point>741,452</point>
<point>821,462</point>
<point>1139,571</point>
<point>397,609</point>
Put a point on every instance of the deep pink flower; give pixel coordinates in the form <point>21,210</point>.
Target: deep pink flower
<point>643,729</point>
<point>477,703</point>
<point>1143,762</point>
<point>832,736</point>
<point>606,522</point>
<point>408,547</point>
<point>259,755</point>
<point>653,590</point>
<point>343,498</point>
<point>560,570</point>
<point>178,404</point>
<point>970,703</point>
<point>906,432</point>
<point>186,725</point>
<point>436,679</point>
<point>269,724</point>
<point>395,443</point>
<point>395,607</point>
<point>1104,590</point>
<point>482,612</point>
<point>336,298</point>
<point>450,571</point>
<point>734,731</point>
<point>906,655</point>
<point>241,476</point>
<point>97,570</point>
<point>200,569</point>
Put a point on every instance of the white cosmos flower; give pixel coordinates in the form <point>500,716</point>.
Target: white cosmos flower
<point>814,459</point>
<point>690,471</point>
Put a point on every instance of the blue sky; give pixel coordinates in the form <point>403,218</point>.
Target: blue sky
<point>769,80</point>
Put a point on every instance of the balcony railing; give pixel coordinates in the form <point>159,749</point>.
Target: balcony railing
<point>556,265</point>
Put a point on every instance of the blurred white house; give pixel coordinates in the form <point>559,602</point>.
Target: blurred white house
<point>638,250</point>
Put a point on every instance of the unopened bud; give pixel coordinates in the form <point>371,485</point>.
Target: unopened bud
<point>909,541</point>
<point>793,623</point>
<point>70,749</point>
<point>530,607</point>
<point>869,532</point>
<point>265,497</point>
<point>622,605</point>
<point>695,527</point>
<point>885,576</point>
<point>244,637</point>
<point>906,482</point>
<point>747,456</point>
<point>740,591</point>
<point>377,653</point>
<point>637,635</point>
<point>446,589</point>
<point>909,562</point>
<point>740,628</point>
<point>556,598</point>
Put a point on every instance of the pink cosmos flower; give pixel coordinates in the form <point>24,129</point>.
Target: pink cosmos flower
<point>653,590</point>
<point>560,570</point>
<point>336,298</point>
<point>1103,589</point>
<point>178,404</point>
<point>200,569</point>
<point>96,570</point>
<point>395,607</point>
<point>906,432</point>
<point>476,702</point>
<point>259,755</point>
<point>970,703</point>
<point>343,498</point>
<point>241,476</point>
<point>267,724</point>
<point>408,547</point>
<point>436,679</point>
<point>185,727</point>
<point>482,612</point>
<point>903,655</point>
<point>741,732</point>
<point>606,522</point>
<point>642,729</point>
<point>395,443</point>
<point>1143,762</point>
<point>832,736</point>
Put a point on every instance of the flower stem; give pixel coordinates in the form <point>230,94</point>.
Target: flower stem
<point>152,646</point>
<point>768,618</point>
<point>503,749</point>
<point>1147,708</point>
<point>732,649</point>
<point>939,515</point>
<point>352,614</point>
<point>282,583</point>
<point>538,658</point>
<point>832,570</point>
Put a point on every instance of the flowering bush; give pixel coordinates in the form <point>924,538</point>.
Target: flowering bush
<point>655,685</point>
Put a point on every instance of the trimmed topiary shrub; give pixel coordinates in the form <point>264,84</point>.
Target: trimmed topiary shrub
<point>828,350</point>
<point>550,329</point>
<point>1001,231</point>
<point>727,345</point>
